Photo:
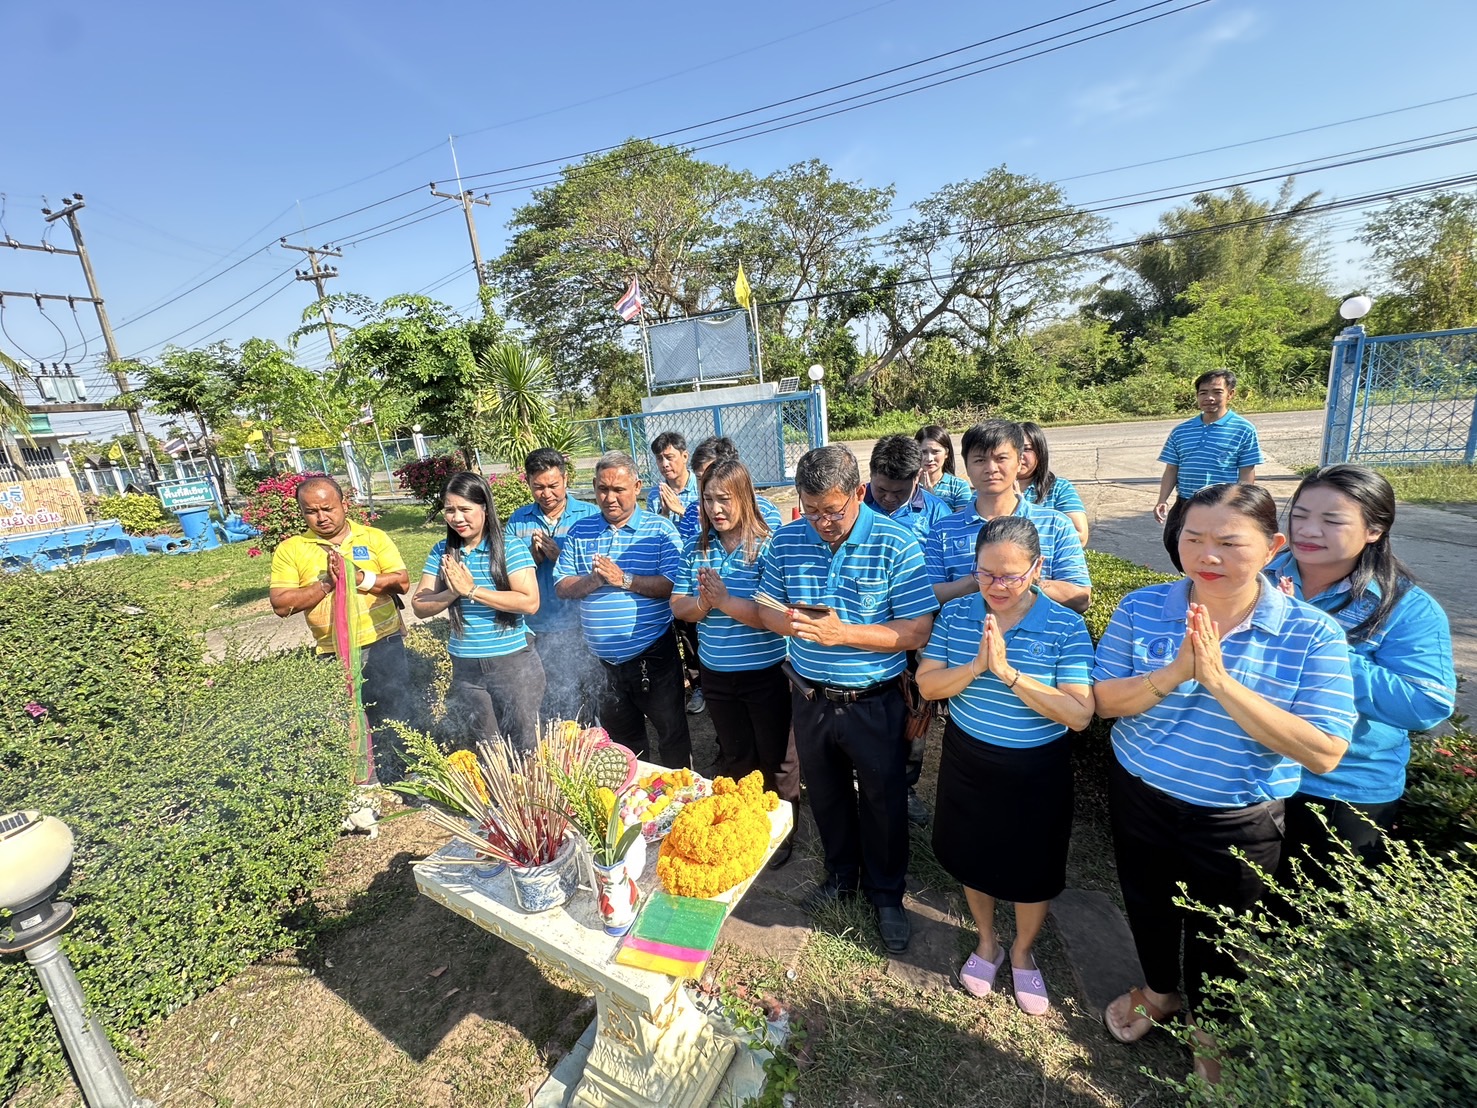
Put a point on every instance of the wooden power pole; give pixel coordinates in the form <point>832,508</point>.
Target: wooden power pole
<point>318,274</point>
<point>69,213</point>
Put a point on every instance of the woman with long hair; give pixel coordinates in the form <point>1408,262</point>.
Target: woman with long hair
<point>747,693</point>
<point>937,475</point>
<point>1016,668</point>
<point>1040,485</point>
<point>486,586</point>
<point>1224,692</point>
<point>1340,560</point>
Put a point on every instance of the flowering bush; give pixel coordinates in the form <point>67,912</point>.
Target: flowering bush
<point>424,478</point>
<point>509,491</point>
<point>1440,804</point>
<point>273,509</point>
<point>718,841</point>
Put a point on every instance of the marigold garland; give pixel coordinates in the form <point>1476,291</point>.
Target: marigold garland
<point>718,841</point>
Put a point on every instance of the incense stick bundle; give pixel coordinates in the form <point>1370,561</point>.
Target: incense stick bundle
<point>764,600</point>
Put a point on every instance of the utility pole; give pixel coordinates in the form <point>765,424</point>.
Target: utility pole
<point>466,200</point>
<point>69,213</point>
<point>318,274</point>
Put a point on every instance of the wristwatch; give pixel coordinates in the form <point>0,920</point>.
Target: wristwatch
<point>627,581</point>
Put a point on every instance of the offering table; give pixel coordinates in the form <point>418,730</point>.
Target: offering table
<point>653,1047</point>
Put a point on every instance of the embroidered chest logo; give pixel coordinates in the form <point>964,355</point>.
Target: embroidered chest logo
<point>1159,648</point>
<point>1038,650</point>
<point>360,552</point>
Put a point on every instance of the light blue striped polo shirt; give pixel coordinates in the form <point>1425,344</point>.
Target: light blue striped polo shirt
<point>553,614</point>
<point>949,551</point>
<point>876,575</point>
<point>618,624</point>
<point>1062,497</point>
<point>482,636</point>
<point>687,528</point>
<point>1050,644</point>
<point>919,515</point>
<point>723,643</point>
<point>1186,745</point>
<point>1404,681</point>
<point>1210,453</point>
<point>953,490</point>
<point>687,494</point>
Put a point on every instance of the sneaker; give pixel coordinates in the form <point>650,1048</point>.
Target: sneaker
<point>918,814</point>
<point>696,703</point>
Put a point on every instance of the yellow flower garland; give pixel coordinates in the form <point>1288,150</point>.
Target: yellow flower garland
<point>718,841</point>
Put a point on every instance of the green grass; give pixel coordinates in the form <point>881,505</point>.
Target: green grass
<point>1433,484</point>
<point>217,588</point>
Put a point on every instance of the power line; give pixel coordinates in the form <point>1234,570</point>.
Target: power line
<point>221,311</point>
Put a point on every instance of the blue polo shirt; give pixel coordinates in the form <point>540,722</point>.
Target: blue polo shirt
<point>1404,681</point>
<point>1186,745</point>
<point>1050,643</point>
<point>618,624</point>
<point>687,528</point>
<point>919,515</point>
<point>553,614</point>
<point>874,576</point>
<point>687,494</point>
<point>1210,453</point>
<point>953,490</point>
<point>723,643</point>
<point>1061,497</point>
<point>949,551</point>
<point>482,636</point>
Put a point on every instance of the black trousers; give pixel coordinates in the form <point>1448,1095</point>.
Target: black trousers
<point>1160,841</point>
<point>863,826</point>
<point>1308,839</point>
<point>649,686</point>
<point>574,681</point>
<point>497,696</point>
<point>751,716</point>
<point>385,689</point>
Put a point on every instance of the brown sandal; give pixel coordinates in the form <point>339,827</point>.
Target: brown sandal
<point>1140,1007</point>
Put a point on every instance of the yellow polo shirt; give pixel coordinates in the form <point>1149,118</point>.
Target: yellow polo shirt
<point>299,560</point>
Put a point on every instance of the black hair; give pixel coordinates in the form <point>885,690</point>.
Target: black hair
<point>1211,374</point>
<point>934,433</point>
<point>1012,529</point>
<point>990,434</point>
<point>543,459</point>
<point>1251,501</point>
<point>710,450</point>
<point>825,468</point>
<point>471,486</point>
<point>666,439</point>
<point>1042,479</point>
<point>1377,562</point>
<point>896,457</point>
<point>314,480</point>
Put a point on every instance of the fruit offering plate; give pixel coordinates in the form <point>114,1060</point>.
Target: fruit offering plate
<point>657,796</point>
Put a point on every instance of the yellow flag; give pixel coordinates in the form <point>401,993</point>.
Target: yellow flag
<point>741,291</point>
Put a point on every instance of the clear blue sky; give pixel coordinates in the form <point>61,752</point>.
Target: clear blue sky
<point>199,134</point>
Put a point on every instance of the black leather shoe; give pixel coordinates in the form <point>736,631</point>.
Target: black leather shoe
<point>895,926</point>
<point>825,894</point>
<point>918,814</point>
<point>782,854</point>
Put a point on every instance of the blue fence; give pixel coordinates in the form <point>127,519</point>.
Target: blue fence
<point>771,434</point>
<point>1402,399</point>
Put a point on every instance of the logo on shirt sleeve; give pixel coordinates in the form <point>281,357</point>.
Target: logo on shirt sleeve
<point>360,552</point>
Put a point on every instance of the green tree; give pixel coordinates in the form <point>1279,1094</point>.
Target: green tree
<point>1425,250</point>
<point>984,260</point>
<point>13,413</point>
<point>509,406</point>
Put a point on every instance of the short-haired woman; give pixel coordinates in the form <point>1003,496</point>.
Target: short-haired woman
<point>486,586</point>
<point>1224,691</point>
<point>1040,485</point>
<point>1016,668</point>
<point>937,475</point>
<point>1340,560</point>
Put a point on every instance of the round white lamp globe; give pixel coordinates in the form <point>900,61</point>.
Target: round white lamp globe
<point>1356,307</point>
<point>816,372</point>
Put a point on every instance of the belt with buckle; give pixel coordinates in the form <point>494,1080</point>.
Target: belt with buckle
<point>851,696</point>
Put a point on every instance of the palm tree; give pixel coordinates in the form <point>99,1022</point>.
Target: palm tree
<point>509,406</point>
<point>13,413</point>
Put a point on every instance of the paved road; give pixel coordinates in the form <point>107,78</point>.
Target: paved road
<point>1114,467</point>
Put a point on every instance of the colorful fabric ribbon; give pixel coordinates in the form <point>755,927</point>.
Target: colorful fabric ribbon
<point>346,646</point>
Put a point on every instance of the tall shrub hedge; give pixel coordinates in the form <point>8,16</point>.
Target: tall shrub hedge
<point>203,800</point>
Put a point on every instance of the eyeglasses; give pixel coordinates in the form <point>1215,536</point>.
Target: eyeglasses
<point>996,579</point>
<point>824,517</point>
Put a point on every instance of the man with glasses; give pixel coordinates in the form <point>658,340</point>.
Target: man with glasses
<point>856,599</point>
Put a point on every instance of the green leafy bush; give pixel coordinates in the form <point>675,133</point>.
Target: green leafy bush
<point>273,509</point>
<point>1440,803</point>
<point>509,491</point>
<point>1370,1000</point>
<point>1113,578</point>
<point>203,801</point>
<point>138,513</point>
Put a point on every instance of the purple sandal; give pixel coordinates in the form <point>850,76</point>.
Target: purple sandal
<point>1030,991</point>
<point>978,976</point>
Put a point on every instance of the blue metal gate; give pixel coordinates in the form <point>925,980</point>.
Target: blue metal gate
<point>1402,399</point>
<point>771,434</point>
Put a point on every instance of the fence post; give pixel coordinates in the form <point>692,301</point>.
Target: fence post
<point>820,433</point>
<point>418,440</point>
<point>1343,384</point>
<point>294,455</point>
<point>1470,454</point>
<point>118,480</point>
<point>357,480</point>
<point>91,475</point>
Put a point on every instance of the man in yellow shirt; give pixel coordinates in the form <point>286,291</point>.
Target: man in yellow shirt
<point>302,582</point>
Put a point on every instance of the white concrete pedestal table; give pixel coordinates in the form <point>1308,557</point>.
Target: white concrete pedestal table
<point>653,1048</point>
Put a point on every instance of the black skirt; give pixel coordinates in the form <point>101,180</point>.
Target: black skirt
<point>1004,816</point>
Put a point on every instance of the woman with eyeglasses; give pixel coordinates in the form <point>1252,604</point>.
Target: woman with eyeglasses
<point>1015,667</point>
<point>1040,485</point>
<point>1340,560</point>
<point>486,586</point>
<point>937,475</point>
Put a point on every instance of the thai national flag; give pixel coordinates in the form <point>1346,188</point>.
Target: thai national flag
<point>629,306</point>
